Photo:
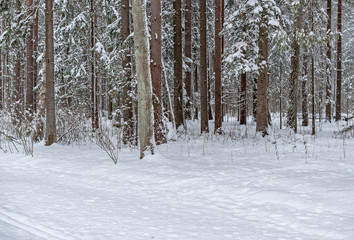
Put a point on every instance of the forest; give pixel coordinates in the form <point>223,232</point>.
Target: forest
<point>204,92</point>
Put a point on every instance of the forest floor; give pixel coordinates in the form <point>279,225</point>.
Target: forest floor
<point>235,186</point>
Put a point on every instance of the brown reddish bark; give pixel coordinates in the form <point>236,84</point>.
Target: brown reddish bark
<point>203,68</point>
<point>188,54</point>
<point>156,70</point>
<point>178,82</point>
<point>217,64</point>
<point>128,128</point>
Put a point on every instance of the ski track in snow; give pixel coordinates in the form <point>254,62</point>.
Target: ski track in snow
<point>189,190</point>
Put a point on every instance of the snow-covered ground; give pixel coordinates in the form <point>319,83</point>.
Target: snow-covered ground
<point>284,186</point>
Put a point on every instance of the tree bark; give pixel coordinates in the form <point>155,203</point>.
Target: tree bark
<point>243,113</point>
<point>328,65</point>
<point>217,64</point>
<point>94,84</point>
<point>262,83</point>
<point>295,59</point>
<point>29,60</point>
<point>203,68</point>
<point>178,81</point>
<point>35,53</point>
<point>196,112</point>
<point>156,70</point>
<point>142,57</point>
<point>305,113</point>
<point>128,128</point>
<point>339,63</point>
<point>50,132</point>
<point>188,54</point>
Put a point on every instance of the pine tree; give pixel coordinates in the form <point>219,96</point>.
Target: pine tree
<point>50,131</point>
<point>188,54</point>
<point>203,68</point>
<point>156,71</point>
<point>218,53</point>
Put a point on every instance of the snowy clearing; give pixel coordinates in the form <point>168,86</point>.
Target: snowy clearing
<point>195,188</point>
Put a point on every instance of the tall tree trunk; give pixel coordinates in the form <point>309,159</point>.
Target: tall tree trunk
<point>203,68</point>
<point>305,113</point>
<point>156,70</point>
<point>50,131</point>
<point>313,91</point>
<point>30,60</point>
<point>328,65</point>
<point>141,44</point>
<point>128,128</point>
<point>262,83</point>
<point>217,64</point>
<point>35,53</point>
<point>94,84</point>
<point>188,54</point>
<point>294,76</point>
<point>339,63</point>
<point>178,82</point>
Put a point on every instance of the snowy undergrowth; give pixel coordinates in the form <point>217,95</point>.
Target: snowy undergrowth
<point>238,185</point>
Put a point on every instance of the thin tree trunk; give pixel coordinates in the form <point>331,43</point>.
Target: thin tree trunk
<point>50,133</point>
<point>128,128</point>
<point>243,104</point>
<point>94,84</point>
<point>169,101</point>
<point>178,81</point>
<point>203,68</point>
<point>35,53</point>
<point>328,65</point>
<point>281,95</point>
<point>145,108</point>
<point>313,91</point>
<point>339,64</point>
<point>156,70</point>
<point>305,113</point>
<point>196,112</point>
<point>254,100</point>
<point>262,83</point>
<point>217,64</point>
<point>30,61</point>
<point>188,54</point>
